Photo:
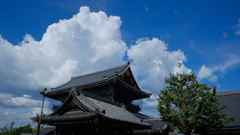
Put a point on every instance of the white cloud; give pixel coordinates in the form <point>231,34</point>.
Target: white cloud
<point>204,72</point>
<point>24,101</point>
<point>20,109</point>
<point>11,115</point>
<point>151,102</point>
<point>213,78</point>
<point>150,106</point>
<point>207,73</point>
<point>26,96</point>
<point>232,61</point>
<point>86,42</point>
<point>37,110</point>
<point>20,116</point>
<point>152,62</point>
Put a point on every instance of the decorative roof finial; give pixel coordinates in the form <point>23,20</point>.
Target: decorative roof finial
<point>43,91</point>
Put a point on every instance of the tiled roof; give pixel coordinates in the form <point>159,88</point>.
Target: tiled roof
<point>68,116</point>
<point>94,105</point>
<point>157,126</point>
<point>116,112</point>
<point>229,92</point>
<point>141,116</point>
<point>94,77</point>
<point>232,100</point>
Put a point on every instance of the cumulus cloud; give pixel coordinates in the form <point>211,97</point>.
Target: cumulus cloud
<point>150,104</point>
<point>86,42</point>
<point>24,101</point>
<point>21,116</point>
<point>9,115</point>
<point>37,110</point>
<point>207,73</point>
<point>89,41</point>
<point>204,72</point>
<point>20,109</point>
<point>152,62</point>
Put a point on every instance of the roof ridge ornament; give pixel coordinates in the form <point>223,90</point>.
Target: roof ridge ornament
<point>74,91</point>
<point>43,91</point>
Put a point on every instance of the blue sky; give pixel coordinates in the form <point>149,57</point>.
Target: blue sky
<point>44,43</point>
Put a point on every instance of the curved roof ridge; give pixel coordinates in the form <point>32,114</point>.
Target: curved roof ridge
<point>101,71</point>
<point>73,94</point>
<point>125,66</point>
<point>100,98</point>
<point>62,105</point>
<point>228,92</point>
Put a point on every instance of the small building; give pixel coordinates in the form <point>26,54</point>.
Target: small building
<point>99,103</point>
<point>232,101</point>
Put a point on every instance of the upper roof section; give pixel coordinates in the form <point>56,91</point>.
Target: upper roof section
<point>94,77</point>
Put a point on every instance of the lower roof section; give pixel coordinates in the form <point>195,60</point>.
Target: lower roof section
<point>232,101</point>
<point>79,108</point>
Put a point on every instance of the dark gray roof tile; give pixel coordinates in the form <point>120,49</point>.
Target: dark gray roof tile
<point>232,100</point>
<point>67,116</point>
<point>116,112</point>
<point>157,126</point>
<point>93,77</point>
<point>95,106</point>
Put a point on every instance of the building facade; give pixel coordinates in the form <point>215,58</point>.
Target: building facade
<point>100,103</point>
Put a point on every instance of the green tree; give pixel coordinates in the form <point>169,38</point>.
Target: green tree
<point>189,105</point>
<point>9,130</point>
<point>35,129</point>
<point>23,129</point>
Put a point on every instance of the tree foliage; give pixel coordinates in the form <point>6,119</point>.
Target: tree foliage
<point>190,105</point>
<point>10,130</point>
